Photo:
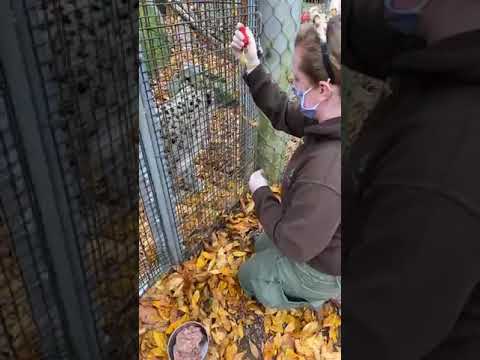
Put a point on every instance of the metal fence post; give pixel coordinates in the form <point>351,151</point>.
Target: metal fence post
<point>28,98</point>
<point>159,176</point>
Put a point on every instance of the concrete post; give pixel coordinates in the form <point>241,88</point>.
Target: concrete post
<point>281,21</point>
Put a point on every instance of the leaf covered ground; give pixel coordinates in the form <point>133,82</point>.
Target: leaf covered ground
<point>206,289</point>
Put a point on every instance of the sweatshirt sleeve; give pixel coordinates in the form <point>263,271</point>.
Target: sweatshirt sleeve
<point>306,227</point>
<point>410,276</point>
<point>284,114</point>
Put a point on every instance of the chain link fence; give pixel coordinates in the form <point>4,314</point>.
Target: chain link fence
<point>68,174</point>
<point>196,126</point>
<point>281,21</point>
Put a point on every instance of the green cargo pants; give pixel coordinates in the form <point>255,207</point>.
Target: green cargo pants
<point>278,282</point>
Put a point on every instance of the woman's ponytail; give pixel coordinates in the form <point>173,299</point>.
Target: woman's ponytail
<point>334,45</point>
<point>321,61</point>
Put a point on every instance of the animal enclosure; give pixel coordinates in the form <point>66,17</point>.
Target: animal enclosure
<point>197,133</point>
<point>68,179</point>
<point>200,131</point>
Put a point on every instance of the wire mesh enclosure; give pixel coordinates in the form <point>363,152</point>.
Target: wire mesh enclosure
<point>154,256</point>
<point>199,124</point>
<point>200,135</point>
<point>68,174</point>
<point>28,328</point>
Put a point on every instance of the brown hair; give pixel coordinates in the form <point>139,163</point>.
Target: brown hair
<point>334,44</point>
<point>312,63</point>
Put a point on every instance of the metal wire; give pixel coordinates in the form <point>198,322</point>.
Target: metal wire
<point>30,326</point>
<point>202,115</point>
<point>154,257</point>
<point>92,104</point>
<point>281,22</point>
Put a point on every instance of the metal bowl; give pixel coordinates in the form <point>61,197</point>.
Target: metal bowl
<point>204,344</point>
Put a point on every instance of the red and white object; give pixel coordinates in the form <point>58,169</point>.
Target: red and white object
<point>305,18</point>
<point>246,42</point>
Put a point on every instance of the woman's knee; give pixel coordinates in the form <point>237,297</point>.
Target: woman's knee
<point>257,270</point>
<point>262,242</point>
<point>245,277</point>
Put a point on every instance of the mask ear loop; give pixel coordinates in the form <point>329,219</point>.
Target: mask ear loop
<point>303,100</point>
<point>329,82</point>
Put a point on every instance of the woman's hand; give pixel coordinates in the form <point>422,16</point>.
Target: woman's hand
<point>249,51</point>
<point>257,180</point>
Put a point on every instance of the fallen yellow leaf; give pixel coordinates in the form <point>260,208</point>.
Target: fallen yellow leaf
<point>226,271</point>
<point>253,350</point>
<point>211,264</point>
<point>195,298</point>
<point>290,354</point>
<point>239,253</point>
<point>240,331</point>
<point>160,340</point>
<point>331,356</point>
<point>161,301</point>
<point>269,351</point>
<point>176,324</point>
<point>175,281</point>
<point>309,315</point>
<point>208,255</point>
<point>333,334</point>
<point>201,262</point>
<point>239,356</point>
<point>311,328</point>
<point>332,320</point>
<point>288,341</point>
<point>218,336</point>
<point>229,247</point>
<point>277,329</point>
<point>231,351</point>
<point>291,326</point>
<point>222,285</point>
<point>226,323</point>
<point>302,349</point>
<point>277,341</point>
<point>250,207</point>
<point>184,309</point>
<point>157,352</point>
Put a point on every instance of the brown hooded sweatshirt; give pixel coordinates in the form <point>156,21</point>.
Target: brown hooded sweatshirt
<point>305,225</point>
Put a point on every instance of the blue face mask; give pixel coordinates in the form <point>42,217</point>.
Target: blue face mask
<point>404,20</point>
<point>308,112</point>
